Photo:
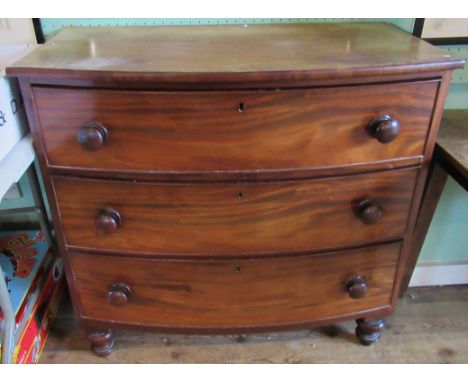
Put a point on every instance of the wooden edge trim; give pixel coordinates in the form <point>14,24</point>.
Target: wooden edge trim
<point>379,312</point>
<point>245,256</point>
<point>237,77</point>
<point>238,176</point>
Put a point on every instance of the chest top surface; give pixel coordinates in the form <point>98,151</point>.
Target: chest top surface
<point>269,52</point>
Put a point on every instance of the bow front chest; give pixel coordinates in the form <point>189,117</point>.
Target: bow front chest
<point>232,179</point>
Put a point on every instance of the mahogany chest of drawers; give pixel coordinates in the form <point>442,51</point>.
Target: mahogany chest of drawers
<point>235,178</point>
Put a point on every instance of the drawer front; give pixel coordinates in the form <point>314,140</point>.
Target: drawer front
<point>234,218</point>
<point>231,131</point>
<point>233,293</point>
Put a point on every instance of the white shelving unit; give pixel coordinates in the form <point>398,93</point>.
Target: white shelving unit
<point>16,158</point>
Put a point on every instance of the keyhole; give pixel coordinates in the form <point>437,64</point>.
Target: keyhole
<point>240,109</point>
<point>238,269</point>
<point>240,195</point>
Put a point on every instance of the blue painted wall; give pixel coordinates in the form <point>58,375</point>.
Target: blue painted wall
<point>51,26</point>
<point>447,239</point>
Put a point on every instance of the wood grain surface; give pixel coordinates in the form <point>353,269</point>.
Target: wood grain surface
<point>233,53</point>
<point>234,219</point>
<point>237,131</point>
<point>234,293</point>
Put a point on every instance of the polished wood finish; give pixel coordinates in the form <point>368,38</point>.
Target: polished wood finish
<point>101,342</point>
<point>252,53</point>
<point>369,331</point>
<point>92,136</point>
<point>369,211</point>
<point>118,294</point>
<point>203,131</point>
<point>257,166</point>
<point>107,221</point>
<point>237,219</point>
<point>204,294</point>
<point>357,287</point>
<point>384,128</point>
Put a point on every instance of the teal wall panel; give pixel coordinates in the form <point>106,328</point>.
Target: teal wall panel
<point>447,238</point>
<point>459,76</point>
<point>457,97</point>
<point>458,93</point>
<point>51,26</point>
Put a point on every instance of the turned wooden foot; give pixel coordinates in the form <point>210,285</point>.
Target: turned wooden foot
<point>368,331</point>
<point>101,342</point>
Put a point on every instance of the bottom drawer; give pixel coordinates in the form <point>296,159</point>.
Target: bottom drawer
<point>233,293</point>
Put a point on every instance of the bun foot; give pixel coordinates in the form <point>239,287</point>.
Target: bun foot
<point>369,331</point>
<point>101,342</point>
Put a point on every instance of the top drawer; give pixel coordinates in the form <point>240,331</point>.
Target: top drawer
<point>230,131</point>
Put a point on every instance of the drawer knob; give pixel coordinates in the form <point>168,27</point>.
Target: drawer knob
<point>369,211</point>
<point>119,294</point>
<point>356,287</point>
<point>92,136</point>
<point>108,220</point>
<point>384,128</point>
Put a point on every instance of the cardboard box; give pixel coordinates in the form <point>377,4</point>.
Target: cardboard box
<point>34,336</point>
<point>13,124</point>
<point>21,255</point>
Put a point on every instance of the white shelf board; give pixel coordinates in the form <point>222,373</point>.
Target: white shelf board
<point>15,163</point>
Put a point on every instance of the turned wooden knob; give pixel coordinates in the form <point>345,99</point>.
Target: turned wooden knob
<point>356,287</point>
<point>92,136</point>
<point>369,211</point>
<point>384,128</point>
<point>108,220</point>
<point>119,294</point>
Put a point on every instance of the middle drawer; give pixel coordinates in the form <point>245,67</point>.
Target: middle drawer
<point>234,218</point>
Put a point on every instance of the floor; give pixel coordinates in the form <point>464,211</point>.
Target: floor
<point>430,326</point>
